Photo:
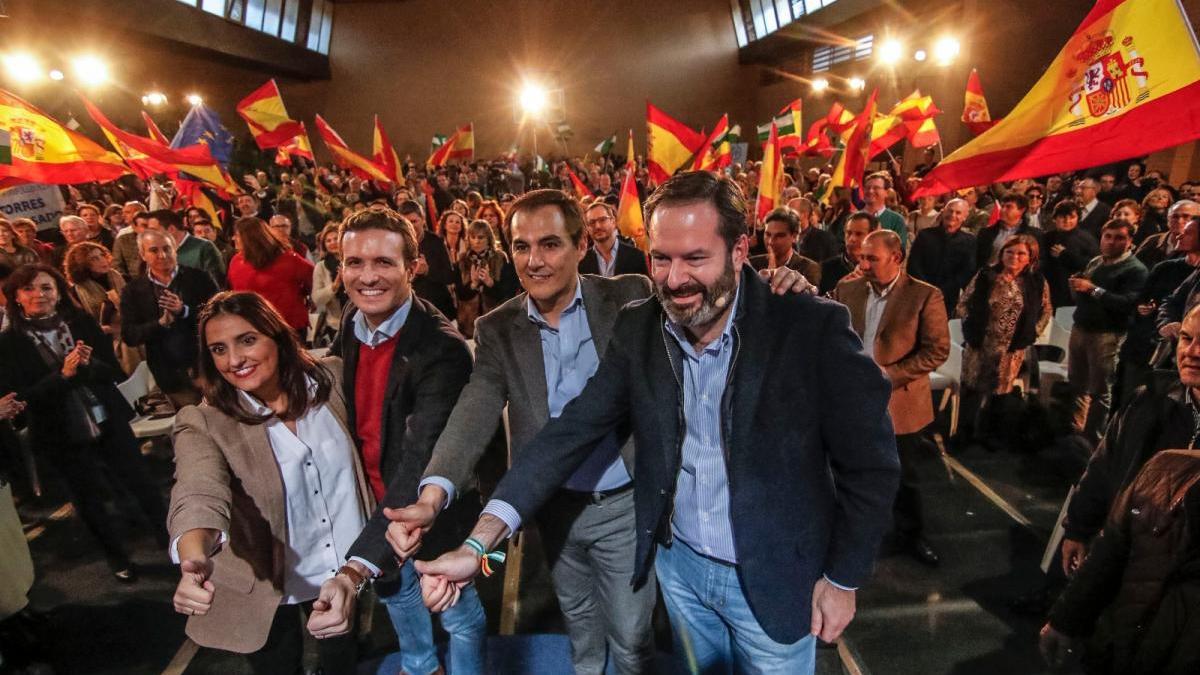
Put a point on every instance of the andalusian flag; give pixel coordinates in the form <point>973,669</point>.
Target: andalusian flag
<point>717,152</point>
<point>605,146</point>
<point>975,109</point>
<point>43,151</point>
<point>1126,84</point>
<point>436,142</point>
<point>788,127</point>
<point>265,115</point>
<point>460,145</point>
<point>911,118</point>
<point>853,163</point>
<point>346,158</point>
<point>770,179</point>
<point>156,134</point>
<point>629,210</point>
<point>385,155</point>
<point>671,144</point>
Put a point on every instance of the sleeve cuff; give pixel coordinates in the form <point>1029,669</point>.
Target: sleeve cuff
<point>375,571</point>
<point>186,311</point>
<point>505,512</point>
<point>173,549</point>
<point>442,483</point>
<point>837,585</point>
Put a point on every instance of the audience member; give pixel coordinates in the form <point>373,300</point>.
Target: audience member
<point>267,266</point>
<point>944,256</point>
<point>1068,251</point>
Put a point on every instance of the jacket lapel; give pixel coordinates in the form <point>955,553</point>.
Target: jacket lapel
<point>752,353</point>
<point>527,349</point>
<point>856,302</point>
<point>893,308</point>
<point>600,313</point>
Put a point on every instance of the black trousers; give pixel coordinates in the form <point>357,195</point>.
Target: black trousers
<point>906,511</point>
<point>284,651</point>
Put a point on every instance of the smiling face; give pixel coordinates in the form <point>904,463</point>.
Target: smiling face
<point>39,297</point>
<point>247,359</point>
<point>601,227</point>
<point>376,276</point>
<point>546,260</point>
<point>1015,259</point>
<point>694,271</point>
<point>158,252</point>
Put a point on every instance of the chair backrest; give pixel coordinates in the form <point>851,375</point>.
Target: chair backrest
<point>956,332</point>
<point>1065,317</point>
<point>138,384</point>
<point>952,367</point>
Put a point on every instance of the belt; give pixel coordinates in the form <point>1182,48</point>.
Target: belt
<point>593,496</point>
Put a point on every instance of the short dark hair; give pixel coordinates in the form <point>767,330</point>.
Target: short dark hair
<point>601,204</point>
<point>571,210</point>
<point>167,217</point>
<point>410,206</point>
<point>1065,208</point>
<point>785,215</point>
<point>872,221</point>
<point>1116,224</point>
<point>704,186</point>
<point>387,220</point>
<point>27,273</point>
<point>879,175</point>
<point>1017,198</point>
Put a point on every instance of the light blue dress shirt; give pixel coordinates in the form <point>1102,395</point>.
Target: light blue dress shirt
<point>372,337</point>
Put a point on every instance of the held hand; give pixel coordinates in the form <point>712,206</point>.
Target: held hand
<point>1055,647</point>
<point>785,280</point>
<point>194,594</point>
<point>71,364</point>
<point>1057,249</point>
<point>10,407</point>
<point>832,610</point>
<point>486,277</point>
<point>406,528</point>
<point>460,565</point>
<point>166,319</point>
<point>1073,553</point>
<point>1171,330</point>
<point>439,593</point>
<point>333,610</point>
<point>170,302</point>
<point>85,352</point>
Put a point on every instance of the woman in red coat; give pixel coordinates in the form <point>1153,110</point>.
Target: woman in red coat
<point>272,269</point>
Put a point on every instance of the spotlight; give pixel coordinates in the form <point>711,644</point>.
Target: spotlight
<point>56,75</point>
<point>819,85</point>
<point>919,55</point>
<point>192,99</point>
<point>891,51</point>
<point>22,67</point>
<point>154,98</point>
<point>945,50</point>
<point>90,70</point>
<point>532,99</point>
<point>857,83</point>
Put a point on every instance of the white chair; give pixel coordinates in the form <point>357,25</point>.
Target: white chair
<point>947,379</point>
<point>956,332</point>
<point>140,383</point>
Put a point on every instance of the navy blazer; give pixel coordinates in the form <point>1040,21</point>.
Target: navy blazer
<point>629,261</point>
<point>809,447</point>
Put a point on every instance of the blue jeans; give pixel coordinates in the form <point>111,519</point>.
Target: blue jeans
<point>464,622</point>
<point>713,627</point>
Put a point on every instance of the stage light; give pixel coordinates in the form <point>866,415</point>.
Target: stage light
<point>90,70</point>
<point>56,75</point>
<point>857,83</point>
<point>22,67</point>
<point>919,55</point>
<point>945,50</point>
<point>891,51</point>
<point>194,99</point>
<point>819,85</point>
<point>532,99</point>
<point>154,98</point>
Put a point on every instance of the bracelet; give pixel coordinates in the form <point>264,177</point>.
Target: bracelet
<point>352,574</point>
<point>485,558</point>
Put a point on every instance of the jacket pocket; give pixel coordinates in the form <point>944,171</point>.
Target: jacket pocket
<point>232,572</point>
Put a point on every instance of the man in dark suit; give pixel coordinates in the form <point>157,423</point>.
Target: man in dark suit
<point>405,366</point>
<point>945,255</point>
<point>1012,222</point>
<point>813,242</point>
<point>833,270</point>
<point>739,431</point>
<point>609,256</point>
<point>780,230</point>
<point>1094,213</point>
<point>159,310</point>
<point>432,269</point>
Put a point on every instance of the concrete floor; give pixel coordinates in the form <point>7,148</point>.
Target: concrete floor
<point>911,619</point>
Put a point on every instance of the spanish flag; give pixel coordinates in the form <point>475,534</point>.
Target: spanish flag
<point>629,210</point>
<point>716,152</point>
<point>44,151</point>
<point>911,118</point>
<point>299,146</point>
<point>156,134</point>
<point>581,188</point>
<point>817,143</point>
<point>671,144</point>
<point>850,167</point>
<point>346,158</point>
<point>1126,84</point>
<point>265,115</point>
<point>975,109</point>
<point>460,145</point>
<point>770,179</point>
<point>385,156</point>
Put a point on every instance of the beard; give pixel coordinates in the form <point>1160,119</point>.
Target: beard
<point>714,299</point>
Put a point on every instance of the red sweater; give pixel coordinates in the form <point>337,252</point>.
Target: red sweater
<point>285,283</point>
<point>370,388</point>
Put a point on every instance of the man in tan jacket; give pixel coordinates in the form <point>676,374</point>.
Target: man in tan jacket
<point>903,326</point>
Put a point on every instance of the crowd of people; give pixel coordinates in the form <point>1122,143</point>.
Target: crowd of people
<point>339,355</point>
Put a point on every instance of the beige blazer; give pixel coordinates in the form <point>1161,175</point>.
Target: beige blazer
<point>912,340</point>
<point>226,478</point>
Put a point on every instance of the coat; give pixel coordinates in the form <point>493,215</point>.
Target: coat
<point>285,282</point>
<point>629,261</point>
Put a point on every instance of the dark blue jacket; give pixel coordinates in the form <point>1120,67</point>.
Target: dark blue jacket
<point>809,448</point>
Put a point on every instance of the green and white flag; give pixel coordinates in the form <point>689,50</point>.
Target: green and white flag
<point>540,164</point>
<point>784,124</point>
<point>606,145</point>
<point>438,141</point>
<point>734,135</point>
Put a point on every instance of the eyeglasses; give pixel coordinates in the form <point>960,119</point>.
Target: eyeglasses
<point>597,221</point>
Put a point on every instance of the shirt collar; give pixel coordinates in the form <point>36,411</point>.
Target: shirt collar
<point>886,289</point>
<point>257,407</point>
<point>154,280</point>
<point>536,316</point>
<point>680,334</point>
<point>372,337</point>
<point>881,210</point>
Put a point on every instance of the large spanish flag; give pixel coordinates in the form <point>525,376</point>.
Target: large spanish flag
<point>267,118</point>
<point>346,158</point>
<point>911,118</point>
<point>629,210</point>
<point>975,108</point>
<point>853,163</point>
<point>770,179</point>
<point>299,146</point>
<point>156,134</point>
<point>44,151</point>
<point>1126,84</point>
<point>670,144</point>
<point>384,154</point>
<point>460,145</point>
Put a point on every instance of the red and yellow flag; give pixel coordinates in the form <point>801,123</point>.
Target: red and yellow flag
<point>770,179</point>
<point>911,118</point>
<point>1126,84</point>
<point>817,144</point>
<point>671,144</point>
<point>44,151</point>
<point>346,158</point>
<point>581,188</point>
<point>460,146</point>
<point>840,120</point>
<point>267,118</point>
<point>156,134</point>
<point>716,152</point>
<point>975,108</point>
<point>384,154</point>
<point>629,210</point>
<point>299,146</point>
<point>850,167</point>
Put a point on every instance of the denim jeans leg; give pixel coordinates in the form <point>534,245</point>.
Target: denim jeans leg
<point>755,653</point>
<point>413,625</point>
<point>467,626</point>
<point>702,641</point>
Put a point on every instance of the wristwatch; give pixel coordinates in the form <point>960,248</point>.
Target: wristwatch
<point>355,578</point>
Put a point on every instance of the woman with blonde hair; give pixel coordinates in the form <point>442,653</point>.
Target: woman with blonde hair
<point>451,226</point>
<point>97,287</point>
<point>479,284</point>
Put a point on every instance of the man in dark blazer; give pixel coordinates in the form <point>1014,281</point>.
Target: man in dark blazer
<point>944,256</point>
<point>812,242</point>
<point>780,230</point>
<point>764,476</point>
<point>858,226</point>
<point>434,273</point>
<point>608,256</point>
<point>405,366</point>
<point>1093,212</point>
<point>1012,222</point>
<point>159,310</point>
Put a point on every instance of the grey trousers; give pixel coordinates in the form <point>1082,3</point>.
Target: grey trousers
<point>590,542</point>
<point>1091,364</point>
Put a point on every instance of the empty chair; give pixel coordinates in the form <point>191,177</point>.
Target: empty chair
<point>140,383</point>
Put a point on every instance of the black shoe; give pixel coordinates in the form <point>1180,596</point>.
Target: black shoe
<point>126,575</point>
<point>923,553</point>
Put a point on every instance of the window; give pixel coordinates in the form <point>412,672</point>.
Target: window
<point>321,25</point>
<point>213,7</point>
<point>189,2</point>
<point>739,23</point>
<point>824,58</point>
<point>254,14</point>
<point>271,17</point>
<point>753,19</point>
<point>278,18</point>
<point>290,12</point>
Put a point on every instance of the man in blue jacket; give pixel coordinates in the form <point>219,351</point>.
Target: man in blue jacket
<point>765,466</point>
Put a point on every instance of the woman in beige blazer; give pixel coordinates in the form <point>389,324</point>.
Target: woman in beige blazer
<point>269,491</point>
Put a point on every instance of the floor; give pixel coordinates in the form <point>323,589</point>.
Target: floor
<point>988,514</point>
